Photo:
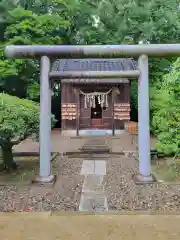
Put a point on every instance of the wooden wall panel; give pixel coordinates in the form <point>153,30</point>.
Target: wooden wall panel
<point>122,98</point>
<point>68,96</point>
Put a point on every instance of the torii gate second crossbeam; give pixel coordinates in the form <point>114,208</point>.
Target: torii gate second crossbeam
<point>97,51</point>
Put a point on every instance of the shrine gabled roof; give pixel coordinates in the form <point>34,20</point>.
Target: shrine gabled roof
<point>118,64</point>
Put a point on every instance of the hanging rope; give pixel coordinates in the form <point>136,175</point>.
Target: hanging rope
<point>95,93</point>
<point>90,98</point>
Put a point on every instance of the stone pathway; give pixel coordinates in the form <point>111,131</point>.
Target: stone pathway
<point>93,196</point>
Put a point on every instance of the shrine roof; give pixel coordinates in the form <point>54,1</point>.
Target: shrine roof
<point>118,64</point>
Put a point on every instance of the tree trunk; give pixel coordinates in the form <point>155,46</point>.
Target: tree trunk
<point>8,161</point>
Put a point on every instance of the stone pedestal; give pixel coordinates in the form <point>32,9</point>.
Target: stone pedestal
<point>139,179</point>
<point>50,180</point>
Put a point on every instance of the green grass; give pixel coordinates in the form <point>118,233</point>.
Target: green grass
<point>167,171</point>
<point>27,171</point>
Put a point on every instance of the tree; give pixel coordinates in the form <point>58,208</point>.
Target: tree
<point>39,22</point>
<point>19,118</point>
<point>24,27</point>
<point>84,22</point>
<point>126,21</point>
<point>134,22</point>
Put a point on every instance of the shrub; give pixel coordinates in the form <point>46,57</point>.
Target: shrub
<point>166,112</point>
<point>19,118</point>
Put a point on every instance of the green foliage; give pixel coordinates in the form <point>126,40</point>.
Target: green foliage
<point>132,22</point>
<point>25,27</point>
<point>126,21</point>
<point>38,22</point>
<point>18,117</point>
<point>33,91</point>
<point>29,28</point>
<point>166,112</point>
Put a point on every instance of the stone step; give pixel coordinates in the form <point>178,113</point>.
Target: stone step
<point>89,155</point>
<point>94,148</point>
<point>95,145</point>
<point>95,151</point>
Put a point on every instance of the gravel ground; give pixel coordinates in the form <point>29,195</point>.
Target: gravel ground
<point>121,192</point>
<point>64,195</point>
<point>68,166</point>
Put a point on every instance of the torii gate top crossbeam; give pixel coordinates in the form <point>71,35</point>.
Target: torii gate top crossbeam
<point>95,51</point>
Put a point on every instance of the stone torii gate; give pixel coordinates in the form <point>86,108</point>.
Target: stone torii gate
<point>97,51</point>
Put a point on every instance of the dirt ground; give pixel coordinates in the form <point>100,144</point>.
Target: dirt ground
<point>74,226</point>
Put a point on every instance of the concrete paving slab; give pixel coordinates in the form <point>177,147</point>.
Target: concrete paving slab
<point>87,167</point>
<point>100,167</point>
<point>93,183</point>
<point>93,202</point>
<point>97,167</point>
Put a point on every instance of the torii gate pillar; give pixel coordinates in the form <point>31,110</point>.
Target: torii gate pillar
<point>45,175</point>
<point>143,123</point>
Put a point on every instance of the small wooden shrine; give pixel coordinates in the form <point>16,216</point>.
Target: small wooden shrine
<point>94,103</point>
